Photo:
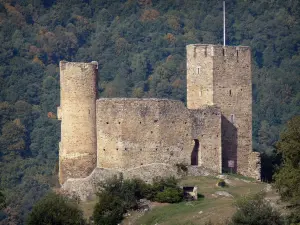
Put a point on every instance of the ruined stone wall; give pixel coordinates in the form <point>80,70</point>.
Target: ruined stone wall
<point>208,119</point>
<point>77,149</point>
<point>137,132</point>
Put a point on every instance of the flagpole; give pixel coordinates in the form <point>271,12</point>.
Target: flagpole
<point>224,38</point>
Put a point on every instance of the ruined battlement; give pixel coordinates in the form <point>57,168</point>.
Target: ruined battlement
<point>225,52</point>
<point>213,131</point>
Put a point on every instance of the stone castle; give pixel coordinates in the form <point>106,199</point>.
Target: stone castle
<point>150,137</point>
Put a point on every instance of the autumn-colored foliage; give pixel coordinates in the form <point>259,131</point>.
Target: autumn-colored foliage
<point>169,58</point>
<point>51,115</point>
<point>12,11</point>
<point>149,15</point>
<point>170,38</point>
<point>37,60</point>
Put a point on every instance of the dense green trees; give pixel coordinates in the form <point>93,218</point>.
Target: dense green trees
<point>55,209</point>
<point>140,47</point>
<point>2,200</point>
<point>287,177</point>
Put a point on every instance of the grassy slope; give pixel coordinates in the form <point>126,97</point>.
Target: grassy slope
<point>211,207</point>
<point>216,209</point>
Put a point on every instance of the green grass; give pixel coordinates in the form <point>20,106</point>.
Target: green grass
<point>181,213</point>
<point>210,208</point>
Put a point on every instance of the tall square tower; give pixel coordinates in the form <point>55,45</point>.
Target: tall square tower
<point>221,76</point>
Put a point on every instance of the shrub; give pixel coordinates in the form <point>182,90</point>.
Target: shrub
<point>55,209</point>
<point>109,210</point>
<point>255,210</point>
<point>118,196</point>
<point>170,195</point>
<point>160,184</point>
<point>294,217</point>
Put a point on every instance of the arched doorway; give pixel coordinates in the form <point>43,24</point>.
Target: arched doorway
<point>195,153</point>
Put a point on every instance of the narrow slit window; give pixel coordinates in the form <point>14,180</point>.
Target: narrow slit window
<point>198,70</point>
<point>232,118</point>
<point>230,94</point>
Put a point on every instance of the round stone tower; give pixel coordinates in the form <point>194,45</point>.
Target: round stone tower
<point>77,111</point>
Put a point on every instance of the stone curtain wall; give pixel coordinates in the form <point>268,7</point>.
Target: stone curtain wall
<point>77,149</point>
<point>136,132</point>
<point>207,129</point>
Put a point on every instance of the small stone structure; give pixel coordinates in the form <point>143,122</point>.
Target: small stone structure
<point>190,192</point>
<point>149,137</point>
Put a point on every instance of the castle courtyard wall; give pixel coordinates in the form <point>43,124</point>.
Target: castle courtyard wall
<point>137,132</point>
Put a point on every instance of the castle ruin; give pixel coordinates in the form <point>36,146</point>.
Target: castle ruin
<point>148,137</point>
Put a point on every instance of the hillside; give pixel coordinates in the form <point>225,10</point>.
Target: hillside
<point>140,47</point>
<point>210,207</point>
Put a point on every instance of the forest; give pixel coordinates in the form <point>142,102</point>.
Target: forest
<point>140,48</point>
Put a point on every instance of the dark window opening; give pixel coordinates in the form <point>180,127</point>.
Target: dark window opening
<point>229,92</point>
<point>232,118</point>
<point>198,70</point>
<point>195,152</point>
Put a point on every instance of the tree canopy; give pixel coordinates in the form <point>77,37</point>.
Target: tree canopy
<point>287,177</point>
<point>55,209</point>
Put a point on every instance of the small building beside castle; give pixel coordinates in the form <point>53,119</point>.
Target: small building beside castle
<point>149,137</point>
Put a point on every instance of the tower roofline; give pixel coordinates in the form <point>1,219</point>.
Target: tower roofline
<point>217,46</point>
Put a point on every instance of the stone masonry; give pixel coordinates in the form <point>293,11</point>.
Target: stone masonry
<point>141,136</point>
